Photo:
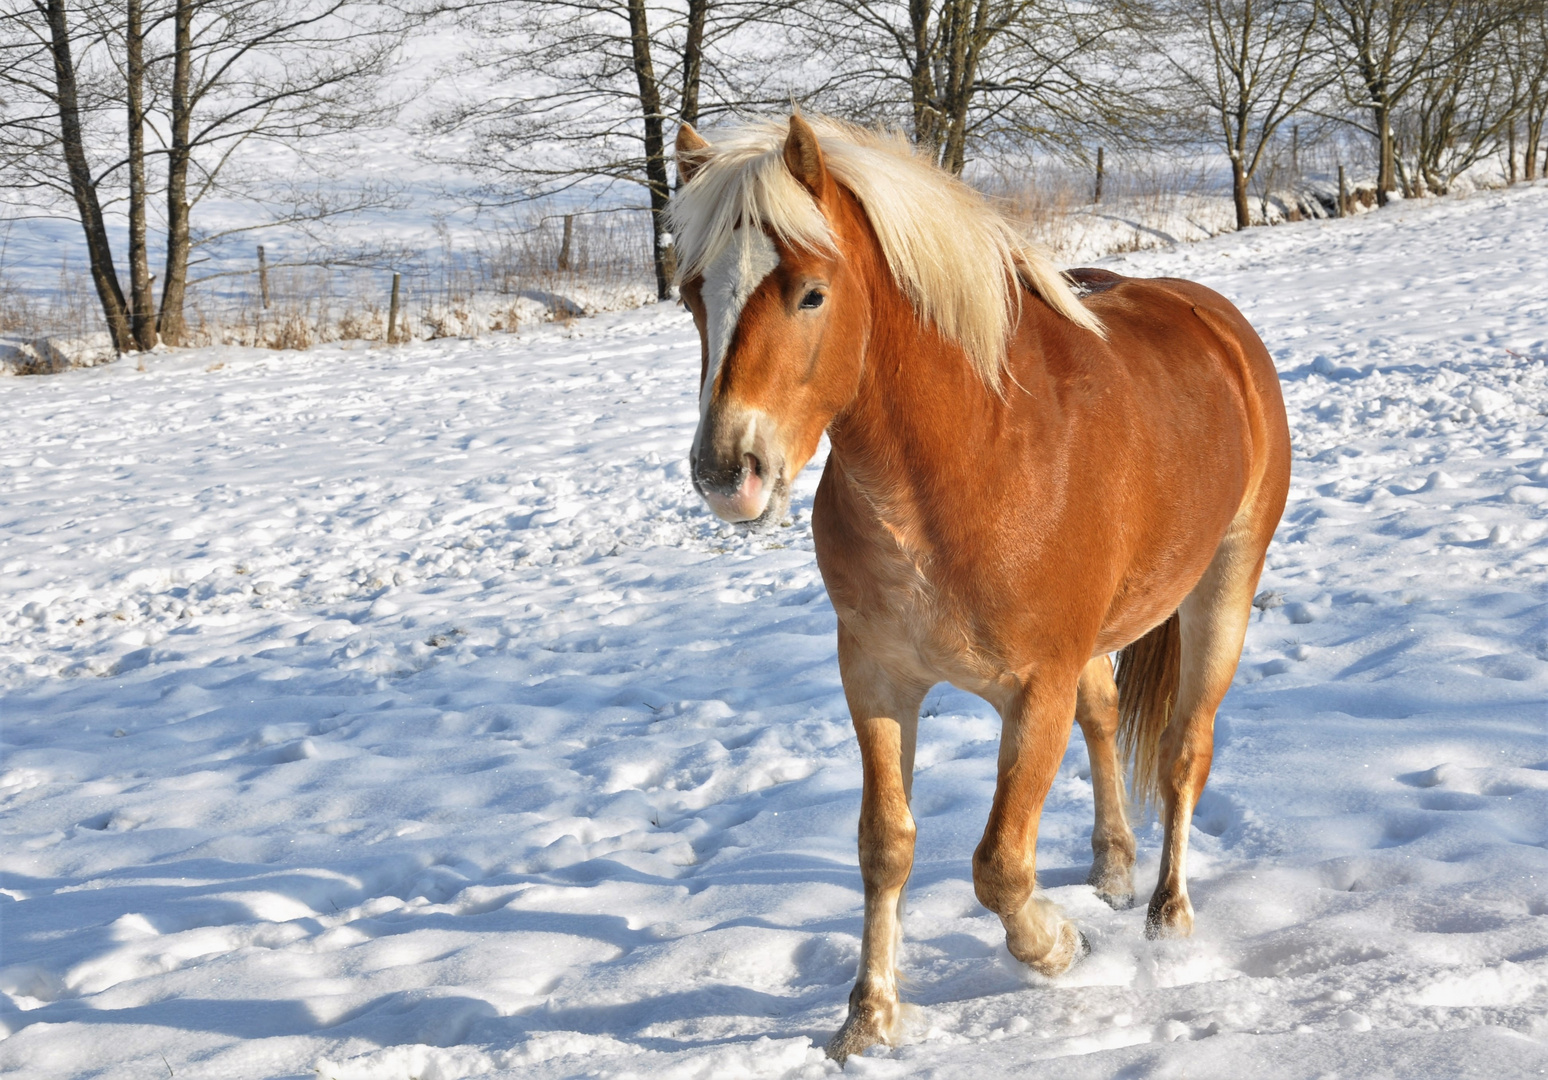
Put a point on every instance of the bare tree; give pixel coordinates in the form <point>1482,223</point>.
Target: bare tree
<point>46,132</point>
<point>1462,104</point>
<point>960,73</point>
<point>590,87</point>
<point>693,60</point>
<point>1249,65</point>
<point>204,86</point>
<point>250,73</point>
<point>1383,48</point>
<point>1523,42</point>
<point>142,310</point>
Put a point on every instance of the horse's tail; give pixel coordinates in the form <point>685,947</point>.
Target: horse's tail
<point>1147,689</point>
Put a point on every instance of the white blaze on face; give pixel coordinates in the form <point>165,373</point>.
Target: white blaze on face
<point>729,281</point>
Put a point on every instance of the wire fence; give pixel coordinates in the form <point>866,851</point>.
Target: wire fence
<point>553,266</point>
<point>549,268</point>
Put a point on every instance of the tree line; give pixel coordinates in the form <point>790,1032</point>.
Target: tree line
<point>104,103</point>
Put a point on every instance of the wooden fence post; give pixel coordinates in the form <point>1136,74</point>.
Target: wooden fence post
<point>1098,197</point>
<point>564,246</point>
<point>1343,192</point>
<point>263,277</point>
<point>392,312</point>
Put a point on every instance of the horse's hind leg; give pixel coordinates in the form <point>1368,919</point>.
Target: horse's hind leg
<point>1212,624</point>
<point>885,711</point>
<point>1112,841</point>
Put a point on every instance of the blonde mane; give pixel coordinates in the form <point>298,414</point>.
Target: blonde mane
<point>949,250</point>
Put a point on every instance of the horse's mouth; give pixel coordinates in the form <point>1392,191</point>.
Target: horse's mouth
<point>775,513</point>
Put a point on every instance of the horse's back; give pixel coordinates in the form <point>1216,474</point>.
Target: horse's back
<point>1193,357</point>
<point>1178,324</point>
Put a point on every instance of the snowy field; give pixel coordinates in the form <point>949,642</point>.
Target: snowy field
<point>389,713</point>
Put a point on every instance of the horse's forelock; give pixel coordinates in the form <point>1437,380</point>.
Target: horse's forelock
<point>743,181</point>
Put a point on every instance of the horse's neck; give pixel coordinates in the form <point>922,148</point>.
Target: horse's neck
<point>924,429</point>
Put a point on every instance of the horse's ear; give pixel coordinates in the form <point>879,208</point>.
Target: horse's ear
<point>693,151</point>
<point>803,157</point>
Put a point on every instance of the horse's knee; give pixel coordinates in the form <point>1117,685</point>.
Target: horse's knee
<point>887,849</point>
<point>1096,701</point>
<point>1002,885</point>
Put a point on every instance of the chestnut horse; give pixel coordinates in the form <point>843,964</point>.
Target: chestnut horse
<point>1021,482</point>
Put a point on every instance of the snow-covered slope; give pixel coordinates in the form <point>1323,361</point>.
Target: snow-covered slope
<point>400,713</point>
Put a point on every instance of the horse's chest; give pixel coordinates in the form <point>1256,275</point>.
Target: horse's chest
<point>888,597</point>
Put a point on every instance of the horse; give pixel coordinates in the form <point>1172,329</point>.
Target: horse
<point>1021,481</point>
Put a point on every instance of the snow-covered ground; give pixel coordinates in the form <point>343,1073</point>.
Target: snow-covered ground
<point>400,713</point>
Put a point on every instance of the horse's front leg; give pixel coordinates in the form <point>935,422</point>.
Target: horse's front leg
<point>1035,730</point>
<point>885,711</point>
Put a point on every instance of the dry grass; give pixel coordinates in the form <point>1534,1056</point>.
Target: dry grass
<point>1142,206</point>
<point>69,309</point>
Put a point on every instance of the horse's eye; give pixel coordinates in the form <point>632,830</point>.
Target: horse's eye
<point>812,299</point>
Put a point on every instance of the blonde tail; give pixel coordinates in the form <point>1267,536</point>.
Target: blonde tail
<point>1147,688</point>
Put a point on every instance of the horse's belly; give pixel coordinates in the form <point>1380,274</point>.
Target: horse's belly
<point>1133,623</point>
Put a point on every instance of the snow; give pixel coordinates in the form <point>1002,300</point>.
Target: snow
<point>400,712</point>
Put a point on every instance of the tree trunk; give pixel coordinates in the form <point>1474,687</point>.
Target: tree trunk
<point>921,84</point>
<point>1409,189</point>
<point>174,329</point>
<point>1510,151</point>
<point>1385,166</point>
<point>693,67</point>
<point>655,144</point>
<point>693,60</point>
<point>1534,132</point>
<point>1239,191</point>
<point>142,314</point>
<point>962,68</point>
<point>103,274</point>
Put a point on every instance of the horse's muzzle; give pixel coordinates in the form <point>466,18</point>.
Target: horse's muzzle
<point>735,495</point>
<point>740,477</point>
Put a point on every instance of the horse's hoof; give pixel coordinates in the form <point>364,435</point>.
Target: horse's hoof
<point>861,1031</point>
<point>1071,948</point>
<point>1169,917</point>
<point>1113,882</point>
<point>849,1039</point>
<point>1116,901</point>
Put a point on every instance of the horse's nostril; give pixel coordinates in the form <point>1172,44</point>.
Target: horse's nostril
<point>753,465</point>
